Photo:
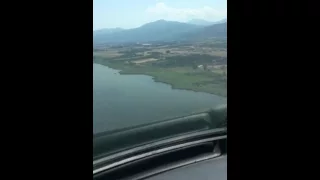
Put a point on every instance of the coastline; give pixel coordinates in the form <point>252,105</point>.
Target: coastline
<point>160,79</point>
<point>156,79</point>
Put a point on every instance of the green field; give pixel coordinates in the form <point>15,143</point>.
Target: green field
<point>175,64</point>
<point>179,77</point>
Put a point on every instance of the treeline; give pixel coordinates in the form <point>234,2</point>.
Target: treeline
<point>134,53</point>
<point>215,45</point>
<point>190,60</point>
<point>134,50</point>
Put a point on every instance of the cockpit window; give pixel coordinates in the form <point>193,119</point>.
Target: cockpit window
<point>158,64</point>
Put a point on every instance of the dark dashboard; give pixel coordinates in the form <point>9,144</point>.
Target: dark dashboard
<point>213,169</point>
<point>191,147</point>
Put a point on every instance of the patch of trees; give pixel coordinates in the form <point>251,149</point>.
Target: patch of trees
<point>215,45</point>
<point>192,60</point>
<point>205,67</point>
<point>194,65</point>
<point>134,52</point>
<point>116,47</point>
<point>155,54</point>
<point>128,54</point>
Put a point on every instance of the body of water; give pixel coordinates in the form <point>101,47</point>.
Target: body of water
<point>121,101</point>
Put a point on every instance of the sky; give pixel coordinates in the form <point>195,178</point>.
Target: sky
<point>134,13</point>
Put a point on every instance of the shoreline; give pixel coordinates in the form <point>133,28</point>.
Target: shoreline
<point>156,79</point>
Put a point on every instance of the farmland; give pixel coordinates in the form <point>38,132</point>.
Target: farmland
<point>200,66</point>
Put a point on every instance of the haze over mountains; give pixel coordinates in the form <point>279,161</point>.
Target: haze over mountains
<point>205,23</point>
<point>107,31</point>
<point>162,30</point>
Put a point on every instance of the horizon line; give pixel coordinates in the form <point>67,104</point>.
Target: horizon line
<point>155,21</point>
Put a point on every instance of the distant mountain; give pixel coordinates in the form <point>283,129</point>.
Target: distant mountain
<point>107,31</point>
<point>221,21</point>
<point>160,30</point>
<point>200,22</point>
<point>216,30</point>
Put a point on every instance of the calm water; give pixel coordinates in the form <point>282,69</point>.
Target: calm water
<point>125,100</point>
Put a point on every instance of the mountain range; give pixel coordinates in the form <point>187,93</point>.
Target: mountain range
<point>202,22</point>
<point>162,30</point>
<point>107,31</point>
<point>216,30</point>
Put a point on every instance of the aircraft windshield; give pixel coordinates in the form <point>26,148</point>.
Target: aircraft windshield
<point>155,61</point>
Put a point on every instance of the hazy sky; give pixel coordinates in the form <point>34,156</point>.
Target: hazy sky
<point>134,13</point>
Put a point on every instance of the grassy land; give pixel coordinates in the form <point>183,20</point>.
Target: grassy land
<point>175,67</point>
<point>109,54</point>
<point>179,77</point>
